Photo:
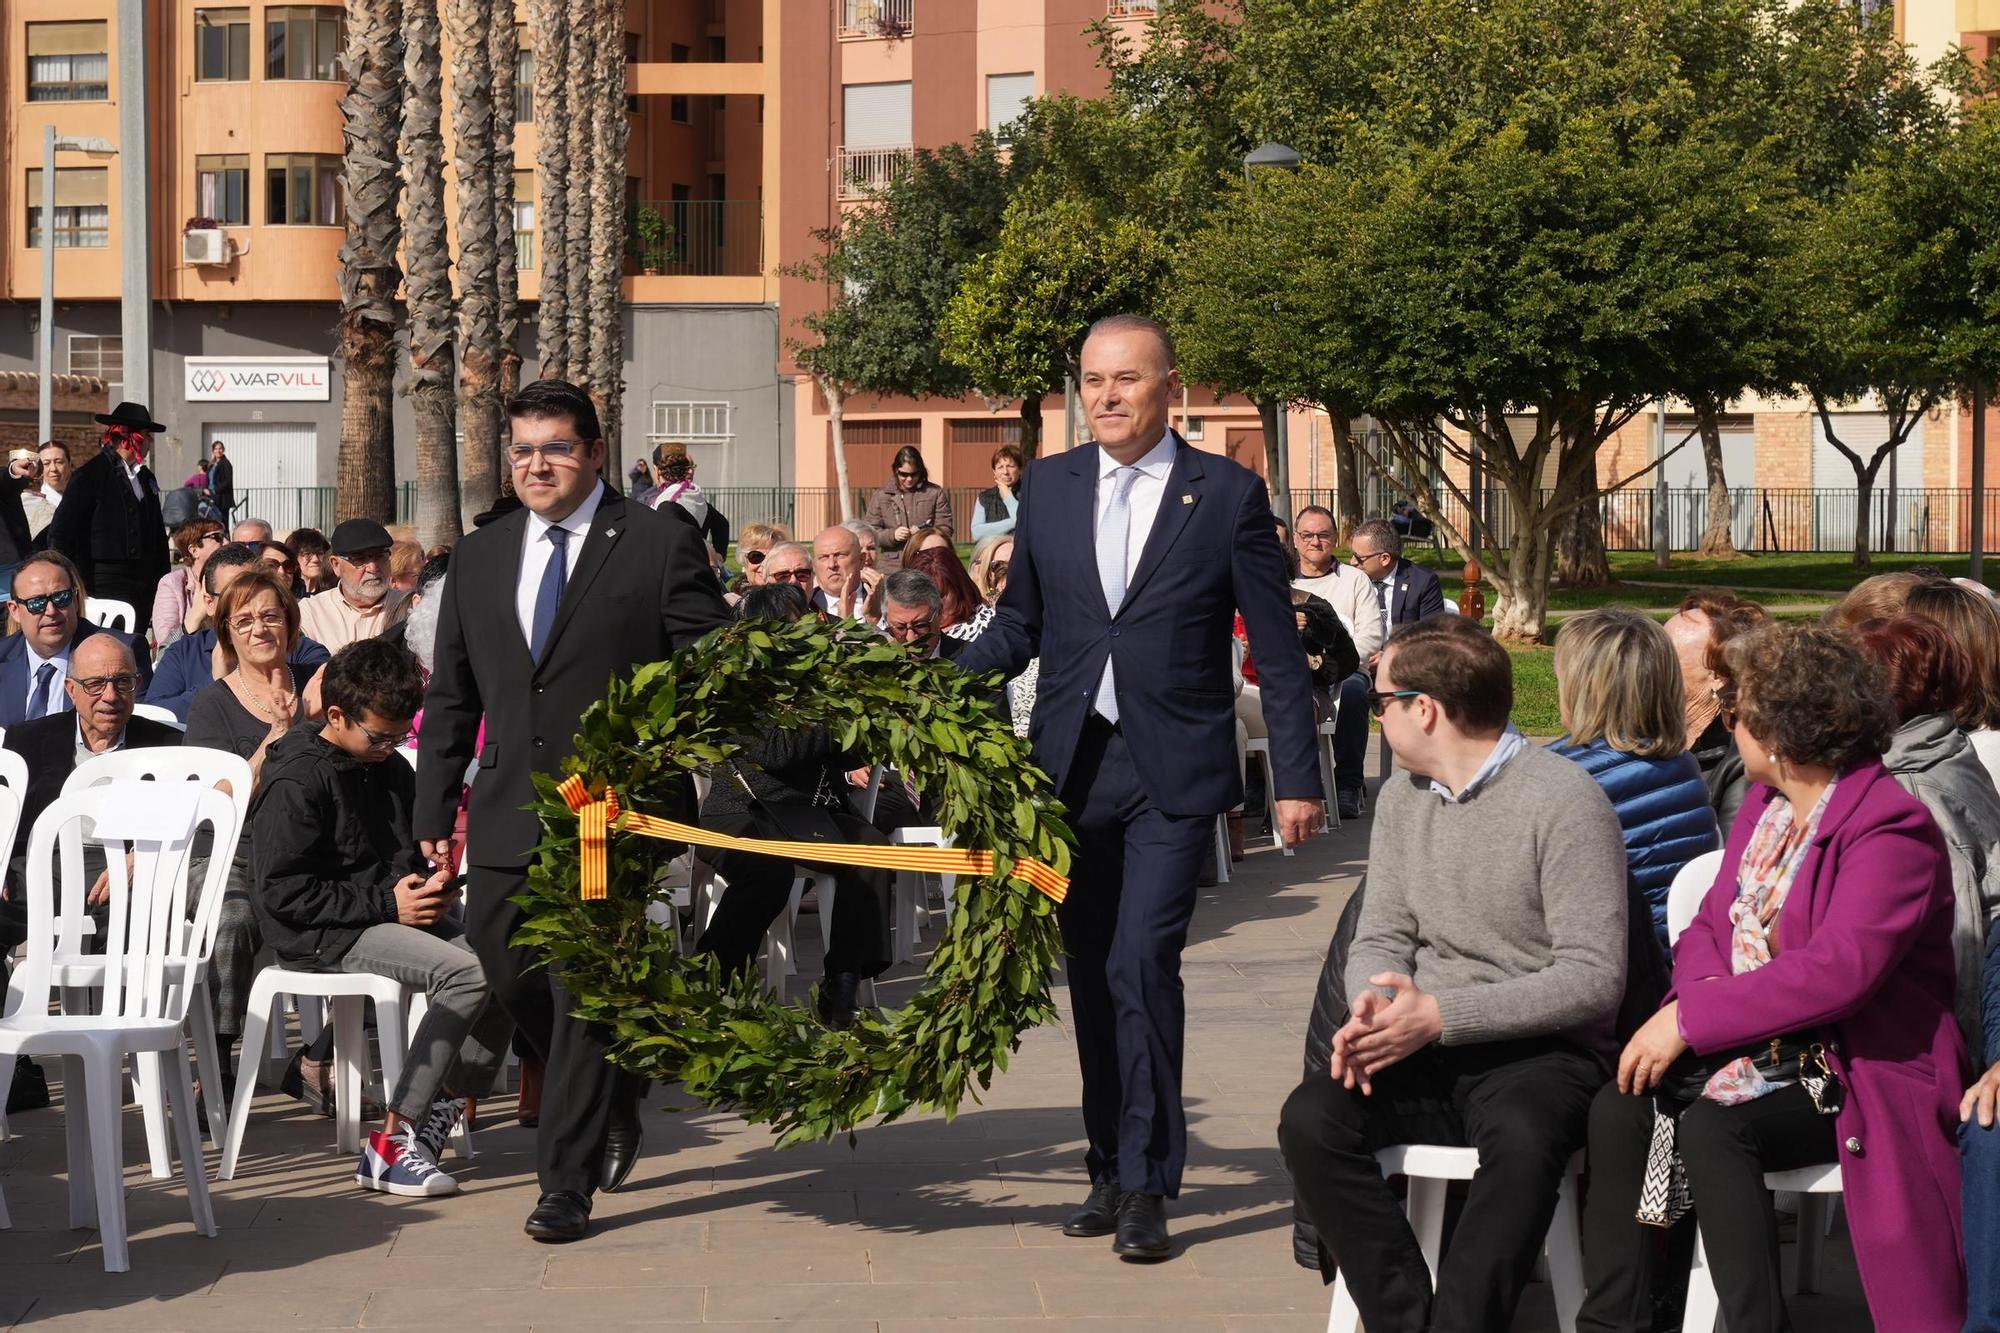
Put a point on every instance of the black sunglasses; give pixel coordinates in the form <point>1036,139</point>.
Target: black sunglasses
<point>1378,700</point>
<point>61,600</point>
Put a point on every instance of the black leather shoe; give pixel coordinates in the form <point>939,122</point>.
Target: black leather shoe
<point>561,1216</point>
<point>622,1142</point>
<point>840,999</point>
<point>1142,1229</point>
<point>1351,805</point>
<point>1099,1214</point>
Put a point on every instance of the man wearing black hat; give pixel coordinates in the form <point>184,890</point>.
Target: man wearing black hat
<point>363,605</point>
<point>109,522</point>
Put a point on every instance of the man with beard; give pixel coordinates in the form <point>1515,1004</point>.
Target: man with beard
<point>363,605</point>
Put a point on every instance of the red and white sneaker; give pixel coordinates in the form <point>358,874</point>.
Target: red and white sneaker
<point>398,1164</point>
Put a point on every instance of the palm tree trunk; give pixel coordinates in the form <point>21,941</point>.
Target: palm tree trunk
<point>552,115</point>
<point>428,254</point>
<point>371,123</point>
<point>607,229</point>
<point>583,57</point>
<point>479,306</point>
<point>506,48</point>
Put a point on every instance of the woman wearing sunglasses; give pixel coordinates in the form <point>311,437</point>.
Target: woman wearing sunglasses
<point>908,503</point>
<point>176,610</point>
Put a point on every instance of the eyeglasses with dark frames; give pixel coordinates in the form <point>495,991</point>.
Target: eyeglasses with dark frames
<point>790,576</point>
<point>122,683</point>
<point>1379,700</point>
<point>60,599</point>
<point>1726,705</point>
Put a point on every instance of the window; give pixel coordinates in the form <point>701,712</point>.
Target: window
<point>222,188</point>
<point>677,105</point>
<point>692,422</point>
<point>302,190</point>
<point>68,62</point>
<point>303,42</point>
<point>524,219</point>
<point>877,115</point>
<point>92,354</point>
<point>524,87</point>
<point>222,45</point>
<point>83,208</point>
<point>1007,96</point>
<point>631,59</point>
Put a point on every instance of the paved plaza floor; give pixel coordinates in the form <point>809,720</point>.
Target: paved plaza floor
<point>923,1224</point>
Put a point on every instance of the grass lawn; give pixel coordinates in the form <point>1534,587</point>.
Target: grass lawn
<point>1822,577</point>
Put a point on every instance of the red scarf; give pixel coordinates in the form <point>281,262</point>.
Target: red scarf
<point>130,443</point>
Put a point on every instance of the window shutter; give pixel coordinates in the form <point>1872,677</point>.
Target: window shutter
<point>877,115</point>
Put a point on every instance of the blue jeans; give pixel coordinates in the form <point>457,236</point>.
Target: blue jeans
<point>1979,1150</point>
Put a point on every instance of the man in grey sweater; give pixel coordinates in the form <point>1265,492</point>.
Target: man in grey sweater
<point>1485,976</point>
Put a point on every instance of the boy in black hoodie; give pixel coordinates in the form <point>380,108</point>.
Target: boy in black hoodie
<point>340,887</point>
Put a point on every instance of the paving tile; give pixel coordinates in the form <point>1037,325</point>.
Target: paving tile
<point>906,1300</point>
<point>1169,1296</point>
<point>913,1259</point>
<point>809,1259</point>
<point>441,1305</point>
<point>1099,1324</point>
<point>207,1313</point>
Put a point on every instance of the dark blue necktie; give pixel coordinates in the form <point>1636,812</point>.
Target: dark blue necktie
<point>549,596</point>
<point>38,705</point>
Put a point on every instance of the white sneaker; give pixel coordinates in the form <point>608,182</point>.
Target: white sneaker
<point>398,1164</point>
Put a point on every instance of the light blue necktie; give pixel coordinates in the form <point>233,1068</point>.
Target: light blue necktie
<point>549,596</point>
<point>1113,532</point>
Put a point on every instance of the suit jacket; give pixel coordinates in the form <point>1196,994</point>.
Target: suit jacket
<point>1212,552</point>
<point>14,682</point>
<point>1864,962</point>
<point>641,589</point>
<point>100,519</point>
<point>1415,594</point>
<point>16,537</point>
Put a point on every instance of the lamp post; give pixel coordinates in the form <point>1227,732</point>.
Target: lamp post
<point>1276,157</point>
<point>46,341</point>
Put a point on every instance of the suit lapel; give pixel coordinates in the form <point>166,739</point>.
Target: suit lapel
<point>513,529</point>
<point>606,526</point>
<point>1177,505</point>
<point>1077,504</point>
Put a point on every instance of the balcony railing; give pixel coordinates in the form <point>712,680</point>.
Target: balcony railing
<point>1126,9</point>
<point>877,18</point>
<point>699,238</point>
<point>866,171</point>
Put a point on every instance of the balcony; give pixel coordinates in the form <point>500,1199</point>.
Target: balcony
<point>891,19</point>
<point>868,171</point>
<point>1132,9</point>
<point>698,238</point>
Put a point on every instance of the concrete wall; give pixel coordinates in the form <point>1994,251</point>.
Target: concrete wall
<point>712,353</point>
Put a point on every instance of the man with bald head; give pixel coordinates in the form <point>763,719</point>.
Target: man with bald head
<point>1708,618</point>
<point>844,579</point>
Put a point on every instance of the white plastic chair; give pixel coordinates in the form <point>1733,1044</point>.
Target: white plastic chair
<point>1258,748</point>
<point>110,613</point>
<point>155,713</point>
<point>141,1009</point>
<point>1430,1167</point>
<point>1691,884</point>
<point>14,777</point>
<point>76,970</point>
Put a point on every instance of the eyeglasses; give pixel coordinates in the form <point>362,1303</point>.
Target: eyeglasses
<point>60,599</point>
<point>1726,705</point>
<point>1378,700</point>
<point>555,451</point>
<point>384,740</point>
<point>1361,561</point>
<point>754,557</point>
<point>996,571</point>
<point>268,620</point>
<point>1318,535</point>
<point>124,683</point>
<point>908,476</point>
<point>790,576</point>
<point>915,629</point>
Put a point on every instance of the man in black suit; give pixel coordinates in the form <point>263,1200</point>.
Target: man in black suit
<point>581,584</point>
<point>46,606</point>
<point>1132,558</point>
<point>221,481</point>
<point>109,522</point>
<point>1408,592</point>
<point>102,682</point>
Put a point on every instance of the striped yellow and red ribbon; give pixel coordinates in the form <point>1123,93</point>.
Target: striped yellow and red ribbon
<point>595,816</point>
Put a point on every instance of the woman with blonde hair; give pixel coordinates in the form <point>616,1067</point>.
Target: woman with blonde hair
<point>989,565</point>
<point>1878,597</point>
<point>1618,686</point>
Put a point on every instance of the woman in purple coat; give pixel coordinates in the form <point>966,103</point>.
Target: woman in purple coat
<point>1828,929</point>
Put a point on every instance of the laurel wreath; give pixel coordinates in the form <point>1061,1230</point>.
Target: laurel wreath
<point>730,1043</point>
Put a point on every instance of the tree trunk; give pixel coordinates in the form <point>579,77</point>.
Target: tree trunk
<point>429,282</point>
<point>1583,563</point>
<point>505,48</point>
<point>607,230</point>
<point>552,111</point>
<point>1277,456</point>
<point>1717,541</point>
<point>1346,477</point>
<point>1521,611</point>
<point>1267,417</point>
<point>1031,426</point>
<point>1864,504</point>
<point>371,123</point>
<point>836,404</point>
<point>583,113</point>
<point>479,305</point>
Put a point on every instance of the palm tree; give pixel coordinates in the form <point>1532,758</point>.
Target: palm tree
<point>371,122</point>
<point>506,48</point>
<point>479,305</point>
<point>585,29</point>
<point>607,223</point>
<point>428,288</point>
<point>552,115</point>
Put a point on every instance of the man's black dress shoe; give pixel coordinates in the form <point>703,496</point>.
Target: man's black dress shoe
<point>1352,806</point>
<point>840,999</point>
<point>561,1216</point>
<point>622,1142</point>
<point>1142,1229</point>
<point>1099,1214</point>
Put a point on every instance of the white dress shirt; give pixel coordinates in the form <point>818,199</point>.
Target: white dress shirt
<point>1147,493</point>
<point>535,551</point>
<point>58,696</point>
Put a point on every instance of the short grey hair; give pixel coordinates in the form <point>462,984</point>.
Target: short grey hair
<point>421,625</point>
<point>1137,324</point>
<point>862,529</point>
<point>1380,534</point>
<point>913,587</point>
<point>777,547</point>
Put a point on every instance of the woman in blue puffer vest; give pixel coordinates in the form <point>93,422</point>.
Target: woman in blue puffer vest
<point>1618,685</point>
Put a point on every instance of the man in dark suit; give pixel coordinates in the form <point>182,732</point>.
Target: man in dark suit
<point>47,609</point>
<point>221,481</point>
<point>1408,592</point>
<point>109,522</point>
<point>101,685</point>
<point>582,584</point>
<point>1131,559</point>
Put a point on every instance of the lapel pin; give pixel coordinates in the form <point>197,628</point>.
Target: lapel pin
<point>1187,499</point>
<point>611,532</point>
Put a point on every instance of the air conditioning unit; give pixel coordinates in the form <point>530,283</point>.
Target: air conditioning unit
<point>204,246</point>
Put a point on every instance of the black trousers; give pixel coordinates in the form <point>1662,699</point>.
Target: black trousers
<point>1350,733</point>
<point>1522,1104</point>
<point>760,886</point>
<point>1727,1150</point>
<point>1124,924</point>
<point>581,1085</point>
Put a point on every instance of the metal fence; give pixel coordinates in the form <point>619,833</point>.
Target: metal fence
<point>288,507</point>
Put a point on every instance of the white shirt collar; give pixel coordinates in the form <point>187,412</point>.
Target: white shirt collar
<point>1511,743</point>
<point>36,661</point>
<point>578,522</point>
<point>1156,463</point>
